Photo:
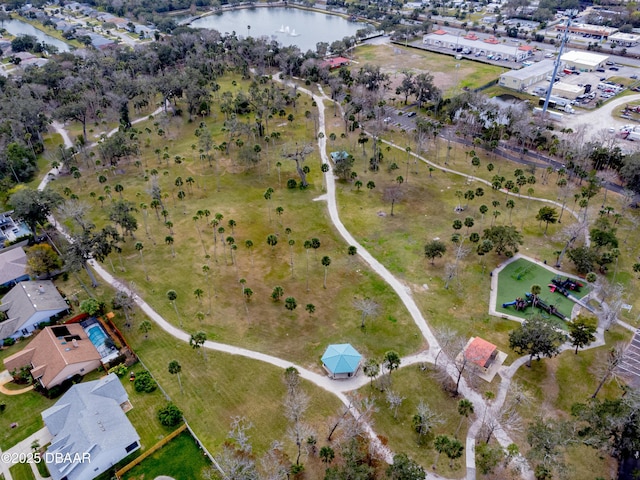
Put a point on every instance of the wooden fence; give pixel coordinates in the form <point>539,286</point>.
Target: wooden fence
<point>152,450</point>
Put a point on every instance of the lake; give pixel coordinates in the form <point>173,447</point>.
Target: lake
<point>289,26</point>
<point>17,27</point>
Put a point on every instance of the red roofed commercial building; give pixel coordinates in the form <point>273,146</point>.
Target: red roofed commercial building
<point>335,62</point>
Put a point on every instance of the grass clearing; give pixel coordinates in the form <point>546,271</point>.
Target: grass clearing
<point>180,458</point>
<point>22,471</point>
<point>412,384</point>
<point>394,59</point>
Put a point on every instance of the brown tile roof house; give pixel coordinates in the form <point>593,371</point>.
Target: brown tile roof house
<point>57,353</point>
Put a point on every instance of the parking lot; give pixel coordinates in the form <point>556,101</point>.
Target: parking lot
<point>601,88</point>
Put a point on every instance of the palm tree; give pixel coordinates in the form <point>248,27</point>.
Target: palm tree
<point>272,240</point>
<point>307,246</point>
<point>310,307</point>
<point>290,304</point>
<point>139,246</point>
<point>277,293</point>
<point>535,291</point>
<point>441,443</point>
<point>197,341</point>
<point>172,295</point>
<point>118,188</point>
<point>174,369</point>
<point>371,369</point>
<point>391,360</point>
<point>267,196</point>
<point>292,242</point>
<point>465,408</point>
<point>206,269</point>
<point>249,245</point>
<point>326,261</point>
<point>198,292</point>
<point>327,455</point>
<point>145,326</point>
<point>169,241</point>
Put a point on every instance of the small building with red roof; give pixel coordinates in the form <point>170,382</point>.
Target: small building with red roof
<point>483,356</point>
<point>335,62</point>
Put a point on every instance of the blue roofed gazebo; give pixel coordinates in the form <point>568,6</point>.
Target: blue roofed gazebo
<point>341,360</point>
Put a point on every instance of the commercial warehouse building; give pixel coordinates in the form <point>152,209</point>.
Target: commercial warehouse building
<point>567,90</point>
<point>471,44</point>
<point>584,61</point>
<point>527,76</point>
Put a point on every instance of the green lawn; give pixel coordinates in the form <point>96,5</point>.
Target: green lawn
<point>180,458</point>
<point>516,279</point>
<point>414,384</point>
<point>22,471</point>
<point>23,409</point>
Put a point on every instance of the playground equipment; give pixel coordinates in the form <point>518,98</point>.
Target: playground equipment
<point>566,284</point>
<point>522,304</point>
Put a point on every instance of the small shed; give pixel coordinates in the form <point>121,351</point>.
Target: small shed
<point>341,361</point>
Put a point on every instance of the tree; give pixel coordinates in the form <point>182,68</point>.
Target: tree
<point>440,443</point>
<point>536,337</point>
<point>145,326</point>
<point>139,246</point>
<point>92,307</point>
<point>298,156</point>
<point>327,455</point>
<point>272,241</point>
<point>326,261</point>
<point>548,215</point>
<point>277,293</point>
<point>504,238</point>
<point>581,331</point>
<point>169,415</point>
<point>310,308</point>
<point>454,450</point>
<point>367,307</point>
<point>371,369</point>
<point>172,295</point>
<point>42,259</point>
<point>465,408</point>
<point>584,258</point>
<point>393,194</point>
<point>33,206</point>
<point>403,468</point>
<point>122,300</point>
<point>174,369</point>
<point>290,304</point>
<point>391,360</point>
<point>424,420</point>
<point>433,249</point>
<point>197,340</point>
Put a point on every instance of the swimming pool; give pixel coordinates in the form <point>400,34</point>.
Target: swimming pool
<point>99,337</point>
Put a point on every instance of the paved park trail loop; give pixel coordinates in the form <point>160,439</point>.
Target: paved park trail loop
<point>340,388</point>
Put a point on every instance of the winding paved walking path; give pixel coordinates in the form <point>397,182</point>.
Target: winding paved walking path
<point>340,388</point>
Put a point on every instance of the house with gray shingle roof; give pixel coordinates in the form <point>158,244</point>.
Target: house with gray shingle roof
<point>13,266</point>
<point>91,432</point>
<point>27,304</point>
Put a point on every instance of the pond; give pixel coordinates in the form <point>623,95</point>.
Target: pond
<point>17,27</point>
<point>289,26</point>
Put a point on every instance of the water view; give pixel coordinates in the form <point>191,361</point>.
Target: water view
<point>289,26</point>
<point>17,27</point>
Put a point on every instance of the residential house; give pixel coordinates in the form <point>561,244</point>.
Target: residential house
<point>90,430</point>
<point>13,266</point>
<point>27,305</point>
<point>56,354</point>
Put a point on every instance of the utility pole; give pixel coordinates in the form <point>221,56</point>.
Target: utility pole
<point>571,15</point>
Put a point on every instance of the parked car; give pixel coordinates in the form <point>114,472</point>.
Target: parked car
<point>614,68</point>
<point>411,114</point>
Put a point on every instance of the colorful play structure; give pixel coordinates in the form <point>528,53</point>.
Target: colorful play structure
<point>563,286</point>
<point>530,300</point>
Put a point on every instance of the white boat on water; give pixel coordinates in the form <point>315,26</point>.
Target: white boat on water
<point>281,29</point>
<point>293,33</point>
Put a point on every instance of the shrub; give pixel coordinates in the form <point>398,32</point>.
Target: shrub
<point>144,382</point>
<point>7,342</point>
<point>120,370</point>
<point>291,183</point>
<point>169,415</point>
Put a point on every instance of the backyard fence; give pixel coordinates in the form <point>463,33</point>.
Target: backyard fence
<point>152,450</point>
<point>204,449</point>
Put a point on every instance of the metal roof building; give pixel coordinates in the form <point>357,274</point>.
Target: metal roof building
<point>341,360</point>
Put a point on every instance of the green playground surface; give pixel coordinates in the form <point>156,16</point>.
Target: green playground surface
<point>516,279</point>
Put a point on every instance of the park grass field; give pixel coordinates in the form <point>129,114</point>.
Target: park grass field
<point>426,211</point>
<point>415,384</point>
